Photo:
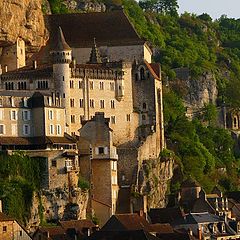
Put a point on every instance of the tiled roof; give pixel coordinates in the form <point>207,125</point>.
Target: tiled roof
<point>109,28</point>
<point>125,222</point>
<point>154,69</point>
<point>162,228</point>
<point>4,217</point>
<point>205,217</point>
<point>122,235</point>
<point>165,215</point>
<point>55,232</point>
<point>35,140</point>
<point>61,44</point>
<point>77,224</point>
<point>29,72</point>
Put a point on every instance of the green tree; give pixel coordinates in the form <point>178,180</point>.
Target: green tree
<point>160,6</point>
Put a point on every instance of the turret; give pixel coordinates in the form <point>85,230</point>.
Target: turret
<point>62,57</point>
<point>95,55</point>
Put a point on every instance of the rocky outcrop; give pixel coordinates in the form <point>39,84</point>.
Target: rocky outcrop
<point>22,19</point>
<point>86,6</point>
<point>57,204</point>
<point>197,91</point>
<point>153,181</point>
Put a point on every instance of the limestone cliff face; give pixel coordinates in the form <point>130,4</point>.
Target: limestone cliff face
<point>153,180</point>
<point>196,91</point>
<point>57,204</point>
<point>22,19</point>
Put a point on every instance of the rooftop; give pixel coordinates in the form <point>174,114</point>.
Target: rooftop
<point>109,28</point>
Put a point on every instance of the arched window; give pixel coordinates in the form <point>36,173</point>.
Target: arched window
<point>12,86</point>
<point>143,117</point>
<point>6,86</point>
<point>142,73</point>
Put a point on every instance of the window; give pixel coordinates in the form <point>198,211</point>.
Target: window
<point>54,163</point>
<point>25,102</point>
<point>12,102</point>
<point>71,84</point>
<point>113,119</point>
<point>142,73</point>
<point>112,86</point>
<point>26,129</point>
<point>14,129</point>
<point>81,118</point>
<point>235,122</point>
<point>101,103</point>
<point>91,103</point>
<point>72,118</point>
<point>144,106</point>
<point>2,129</point>
<point>1,102</point>
<point>71,102</point>
<point>4,228</point>
<point>128,117</point>
<point>101,85</point>
<point>20,233</point>
<point>80,84</point>
<point>13,115</point>
<point>26,115</point>
<point>112,104</point>
<point>91,85</point>
<point>81,103</point>
<point>51,129</point>
<point>143,117</point>
<point>101,150</point>
<point>50,114</point>
<point>59,130</point>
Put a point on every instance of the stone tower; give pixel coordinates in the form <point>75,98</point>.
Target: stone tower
<point>62,57</point>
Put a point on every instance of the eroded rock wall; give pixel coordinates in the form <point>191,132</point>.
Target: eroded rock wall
<point>22,19</point>
<point>57,204</point>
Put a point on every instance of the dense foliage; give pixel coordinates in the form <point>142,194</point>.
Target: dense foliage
<point>19,177</point>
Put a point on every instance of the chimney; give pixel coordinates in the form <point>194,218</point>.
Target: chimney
<point>6,68</point>
<point>34,64</point>
<point>0,206</point>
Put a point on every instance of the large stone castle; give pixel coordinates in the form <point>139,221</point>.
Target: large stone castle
<point>93,63</point>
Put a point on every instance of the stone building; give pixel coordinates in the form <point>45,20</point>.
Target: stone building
<point>10,228</point>
<point>98,164</point>
<point>93,62</point>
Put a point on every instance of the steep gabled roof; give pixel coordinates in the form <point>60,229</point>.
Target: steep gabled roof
<point>127,222</point>
<point>109,28</point>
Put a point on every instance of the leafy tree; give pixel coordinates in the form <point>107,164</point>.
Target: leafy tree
<point>160,6</point>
